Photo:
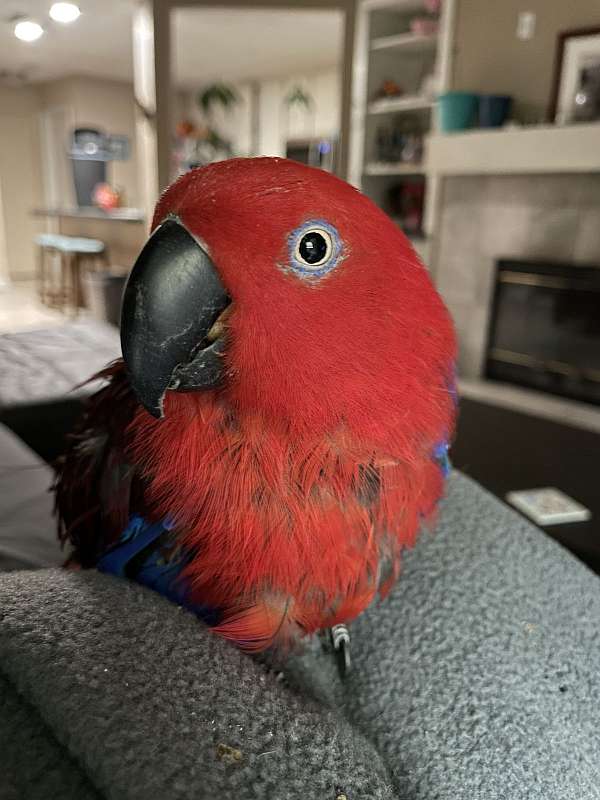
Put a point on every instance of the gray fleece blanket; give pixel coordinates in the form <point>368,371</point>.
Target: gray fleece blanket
<point>478,678</point>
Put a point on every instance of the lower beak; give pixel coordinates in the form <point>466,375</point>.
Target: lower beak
<point>172,301</point>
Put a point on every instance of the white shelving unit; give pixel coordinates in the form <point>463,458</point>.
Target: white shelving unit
<point>516,151</point>
<point>387,49</point>
<point>393,105</point>
<point>405,41</point>
<point>392,168</point>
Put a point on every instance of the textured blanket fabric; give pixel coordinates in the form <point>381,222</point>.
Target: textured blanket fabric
<point>27,535</point>
<point>43,379</point>
<point>478,678</point>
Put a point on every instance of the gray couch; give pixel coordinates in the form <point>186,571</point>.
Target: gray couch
<point>477,679</point>
<point>27,531</point>
<point>42,375</point>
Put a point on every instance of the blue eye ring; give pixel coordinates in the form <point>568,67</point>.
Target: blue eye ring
<point>331,240</point>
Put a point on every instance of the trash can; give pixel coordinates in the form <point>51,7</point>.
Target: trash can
<point>103,292</point>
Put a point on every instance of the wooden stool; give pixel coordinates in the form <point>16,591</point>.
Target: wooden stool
<point>72,251</point>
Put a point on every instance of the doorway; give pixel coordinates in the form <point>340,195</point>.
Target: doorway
<point>256,81</point>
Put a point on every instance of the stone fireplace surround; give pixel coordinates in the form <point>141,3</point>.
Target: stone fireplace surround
<point>485,218</point>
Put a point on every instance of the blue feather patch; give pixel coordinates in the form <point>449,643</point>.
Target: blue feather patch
<point>148,554</point>
<point>440,456</point>
<point>440,452</point>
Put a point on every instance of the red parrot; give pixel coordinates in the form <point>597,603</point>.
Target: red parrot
<point>276,432</point>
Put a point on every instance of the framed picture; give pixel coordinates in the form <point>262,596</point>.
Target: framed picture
<point>576,85</point>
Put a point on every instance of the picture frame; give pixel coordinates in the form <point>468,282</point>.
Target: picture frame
<point>576,50</point>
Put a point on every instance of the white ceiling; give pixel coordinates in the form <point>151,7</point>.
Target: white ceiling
<point>208,43</point>
<point>212,43</point>
<point>98,43</point>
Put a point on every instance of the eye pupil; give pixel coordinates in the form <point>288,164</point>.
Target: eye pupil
<point>313,247</point>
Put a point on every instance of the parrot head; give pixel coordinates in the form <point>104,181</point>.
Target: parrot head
<point>292,294</point>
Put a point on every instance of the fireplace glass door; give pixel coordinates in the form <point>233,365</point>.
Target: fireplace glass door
<point>545,328</point>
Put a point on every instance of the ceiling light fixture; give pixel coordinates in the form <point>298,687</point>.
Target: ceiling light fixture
<point>28,31</point>
<point>64,12</point>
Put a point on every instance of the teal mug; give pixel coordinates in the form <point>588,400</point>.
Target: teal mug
<point>458,110</point>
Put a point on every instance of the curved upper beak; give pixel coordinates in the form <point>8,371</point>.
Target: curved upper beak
<point>171,302</point>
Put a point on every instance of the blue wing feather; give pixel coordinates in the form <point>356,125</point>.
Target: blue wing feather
<point>143,554</point>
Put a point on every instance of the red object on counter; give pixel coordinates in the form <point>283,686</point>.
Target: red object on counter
<point>106,197</point>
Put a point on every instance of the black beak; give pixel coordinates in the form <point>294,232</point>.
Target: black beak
<point>171,301</point>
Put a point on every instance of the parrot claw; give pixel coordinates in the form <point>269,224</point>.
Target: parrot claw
<point>340,639</point>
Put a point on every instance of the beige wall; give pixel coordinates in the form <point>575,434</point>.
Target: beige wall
<point>490,58</point>
<point>104,104</point>
<point>20,179</point>
<point>108,105</point>
<point>4,270</point>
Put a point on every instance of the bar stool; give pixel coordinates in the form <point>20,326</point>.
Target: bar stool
<point>72,252</point>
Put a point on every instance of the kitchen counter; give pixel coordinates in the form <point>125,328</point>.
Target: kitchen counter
<point>92,212</point>
<point>123,230</point>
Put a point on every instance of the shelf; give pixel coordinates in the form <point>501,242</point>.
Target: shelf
<point>400,168</point>
<point>402,6</point>
<point>405,41</point>
<point>533,150</point>
<point>530,401</point>
<point>385,48</point>
<point>92,212</point>
<point>394,104</point>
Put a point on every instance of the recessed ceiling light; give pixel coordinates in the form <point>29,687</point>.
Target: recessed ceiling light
<point>64,12</point>
<point>28,31</point>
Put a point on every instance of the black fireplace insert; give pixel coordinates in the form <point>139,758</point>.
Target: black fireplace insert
<point>545,328</point>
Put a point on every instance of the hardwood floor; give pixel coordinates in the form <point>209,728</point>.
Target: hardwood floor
<point>505,449</point>
<point>21,309</point>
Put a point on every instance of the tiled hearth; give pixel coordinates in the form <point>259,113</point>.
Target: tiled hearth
<point>554,217</point>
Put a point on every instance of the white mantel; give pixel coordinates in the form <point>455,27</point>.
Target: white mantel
<point>534,150</point>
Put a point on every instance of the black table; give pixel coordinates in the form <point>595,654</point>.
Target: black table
<point>506,450</point>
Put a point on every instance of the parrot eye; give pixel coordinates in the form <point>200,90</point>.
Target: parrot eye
<point>315,249</point>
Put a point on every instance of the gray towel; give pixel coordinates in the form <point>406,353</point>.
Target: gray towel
<point>478,678</point>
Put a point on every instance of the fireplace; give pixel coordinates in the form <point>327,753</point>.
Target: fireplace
<point>545,328</point>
